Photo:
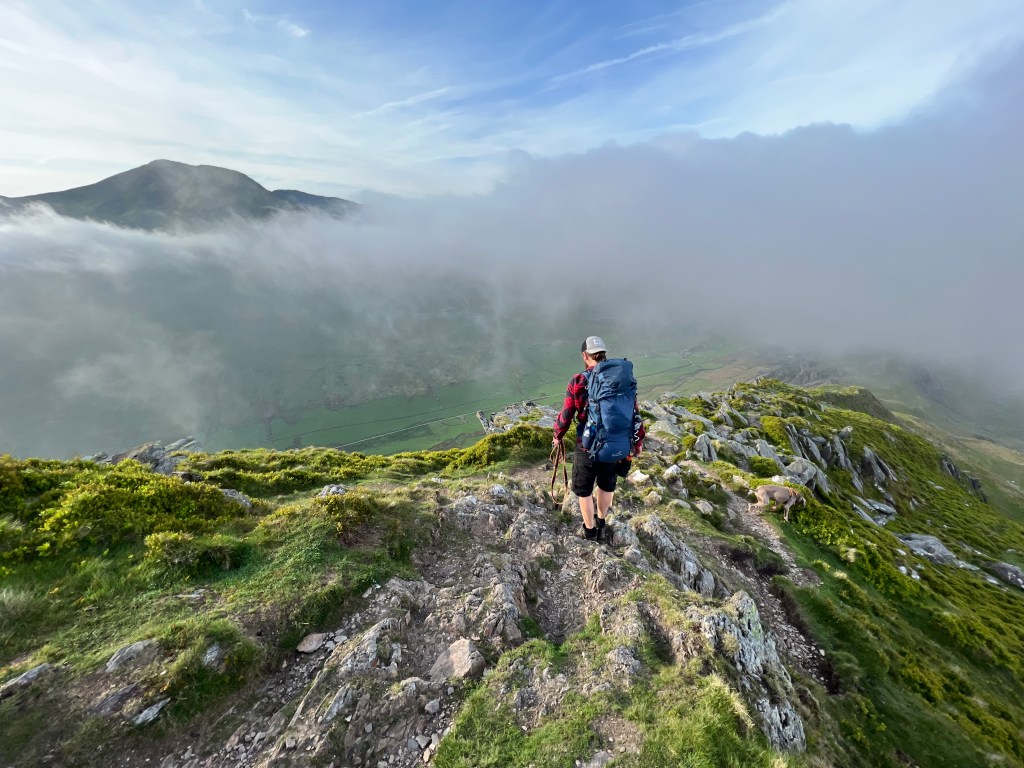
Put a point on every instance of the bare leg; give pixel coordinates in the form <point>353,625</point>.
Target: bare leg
<point>587,509</point>
<point>604,502</point>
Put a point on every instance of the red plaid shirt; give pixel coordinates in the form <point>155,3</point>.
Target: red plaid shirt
<point>575,404</point>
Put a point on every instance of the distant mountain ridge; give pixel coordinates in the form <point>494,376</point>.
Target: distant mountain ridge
<point>165,194</point>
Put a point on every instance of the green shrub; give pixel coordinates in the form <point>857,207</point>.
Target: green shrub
<point>763,467</point>
<point>695,405</point>
<point>14,537</point>
<point>774,430</point>
<point>191,555</point>
<point>350,510</point>
<point>192,682</point>
<point>11,486</point>
<point>262,472</point>
<point>127,502</point>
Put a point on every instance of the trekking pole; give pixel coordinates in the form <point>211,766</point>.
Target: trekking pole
<point>558,457</point>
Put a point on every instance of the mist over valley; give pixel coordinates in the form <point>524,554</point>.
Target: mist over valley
<point>246,330</point>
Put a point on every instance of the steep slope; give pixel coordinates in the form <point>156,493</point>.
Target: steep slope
<point>164,194</point>
<point>162,616</point>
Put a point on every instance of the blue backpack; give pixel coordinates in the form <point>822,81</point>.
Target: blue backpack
<point>611,394</point>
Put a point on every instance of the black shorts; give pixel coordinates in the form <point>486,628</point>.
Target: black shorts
<point>585,471</point>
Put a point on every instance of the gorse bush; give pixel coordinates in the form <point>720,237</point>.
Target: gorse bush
<point>190,555</point>
<point>27,484</point>
<point>97,505</point>
<point>763,467</point>
<point>774,430</point>
<point>262,472</point>
<point>349,511</point>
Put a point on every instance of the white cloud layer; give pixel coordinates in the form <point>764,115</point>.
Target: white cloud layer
<point>89,90</point>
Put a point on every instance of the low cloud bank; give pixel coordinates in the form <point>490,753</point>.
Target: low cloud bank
<point>905,240</point>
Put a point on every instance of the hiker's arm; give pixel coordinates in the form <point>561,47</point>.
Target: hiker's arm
<point>569,409</point>
<point>638,430</point>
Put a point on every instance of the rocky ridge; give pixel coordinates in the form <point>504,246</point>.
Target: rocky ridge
<point>684,585</point>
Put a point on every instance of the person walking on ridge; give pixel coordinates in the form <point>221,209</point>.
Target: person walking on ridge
<point>600,450</point>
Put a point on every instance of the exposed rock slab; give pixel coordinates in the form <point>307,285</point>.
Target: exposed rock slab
<point>460,660</point>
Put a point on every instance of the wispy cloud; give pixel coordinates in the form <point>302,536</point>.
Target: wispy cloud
<point>411,106</point>
<point>281,22</point>
<point>419,98</point>
<point>658,22</point>
<point>679,44</point>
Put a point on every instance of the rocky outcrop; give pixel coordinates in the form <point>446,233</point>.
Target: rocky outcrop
<point>705,449</point>
<point>25,679</point>
<point>680,562</point>
<point>929,547</point>
<point>1010,574</point>
<point>874,467</point>
<point>515,414</point>
<point>807,473</point>
<point>163,459</point>
<point>736,631</point>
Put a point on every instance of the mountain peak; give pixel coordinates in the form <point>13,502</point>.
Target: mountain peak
<point>167,194</point>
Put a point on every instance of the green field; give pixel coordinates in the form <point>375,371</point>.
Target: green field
<point>446,416</point>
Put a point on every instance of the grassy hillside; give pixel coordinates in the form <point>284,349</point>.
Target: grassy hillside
<point>929,668</point>
<point>920,663</point>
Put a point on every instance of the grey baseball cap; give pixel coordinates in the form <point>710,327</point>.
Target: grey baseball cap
<point>595,344</point>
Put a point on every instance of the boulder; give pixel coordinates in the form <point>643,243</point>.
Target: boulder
<point>685,415</point>
<point>335,489</point>
<point>24,680</point>
<point>460,660</point>
<point>136,652</point>
<point>873,465</point>
<point>705,450</point>
<point>312,642</point>
<point>639,478</point>
<point>839,456</point>
<point>672,473</point>
<point>802,471</point>
<point>237,496</point>
<point>1011,574</point>
<point>950,468</point>
<point>703,506</point>
<point>929,547</point>
<point>158,457</point>
<point>149,714</point>
<point>114,702</point>
<point>885,509</point>
<point>794,441</point>
<point>807,473</point>
<point>767,450</point>
<point>812,452</point>
<point>665,428</point>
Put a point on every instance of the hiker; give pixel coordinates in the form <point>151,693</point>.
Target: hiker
<point>616,430</point>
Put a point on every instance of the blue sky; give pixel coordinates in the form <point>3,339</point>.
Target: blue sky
<point>421,98</point>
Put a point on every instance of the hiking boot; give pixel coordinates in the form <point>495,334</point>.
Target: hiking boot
<point>600,528</point>
<point>590,534</point>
